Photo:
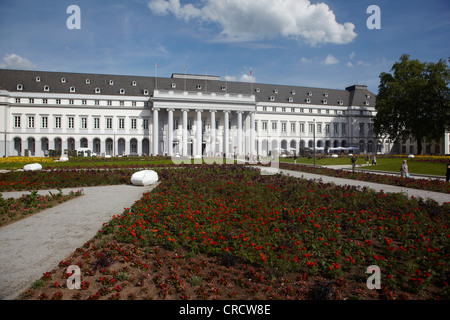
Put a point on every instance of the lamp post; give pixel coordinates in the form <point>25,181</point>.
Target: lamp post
<point>314,139</point>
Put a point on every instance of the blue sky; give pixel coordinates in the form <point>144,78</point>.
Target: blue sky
<point>293,42</point>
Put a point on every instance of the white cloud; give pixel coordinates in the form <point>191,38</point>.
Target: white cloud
<point>247,20</point>
<point>14,61</point>
<point>305,60</point>
<point>247,78</point>
<point>362,63</point>
<point>229,78</point>
<point>351,55</point>
<point>349,64</point>
<point>329,60</point>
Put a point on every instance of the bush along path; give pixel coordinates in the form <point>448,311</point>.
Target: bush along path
<point>243,235</point>
<point>12,209</point>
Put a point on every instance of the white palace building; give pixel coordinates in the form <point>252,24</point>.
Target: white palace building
<point>186,115</point>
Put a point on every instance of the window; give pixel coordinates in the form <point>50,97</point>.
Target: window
<point>256,126</point>
<point>311,127</point>
<point>283,109</point>
<point>71,101</point>
<point>97,90</point>
<point>361,128</point>
<point>19,87</point>
<point>336,128</point>
<point>122,91</point>
<point>324,101</point>
<point>274,109</point>
<point>58,122</point>
<point>58,101</point>
<point>133,124</point>
<point>292,126</point>
<point>97,102</point>
<point>111,82</point>
<point>44,123</point>
<point>283,127</point>
<point>308,100</point>
<point>72,89</point>
<point>264,108</point>
<point>199,86</point>
<point>189,124</point>
<point>38,79</point>
<point>83,123</point>
<point>291,99</point>
<point>309,93</point>
<point>84,102</point>
<point>274,126</point>
<point>16,121</point>
<point>264,126</point>
<point>121,123</point>
<point>44,101</point>
<point>96,123</point>
<point>108,123</point>
<point>133,104</point>
<point>319,128</point>
<point>134,83</point>
<point>70,122</point>
<point>17,100</point>
<point>145,124</point>
<point>272,98</point>
<point>88,81</point>
<point>327,128</point>
<point>344,128</point>
<point>122,103</point>
<point>31,100</point>
<point>146,92</point>
<point>109,103</point>
<point>30,121</point>
<point>174,85</point>
<point>302,127</point>
<point>340,102</point>
<point>63,80</point>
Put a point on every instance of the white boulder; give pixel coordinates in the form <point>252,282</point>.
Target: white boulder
<point>64,159</point>
<point>32,167</point>
<point>144,178</point>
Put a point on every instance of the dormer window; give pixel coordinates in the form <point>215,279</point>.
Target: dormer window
<point>19,87</point>
<point>146,92</point>
<point>46,88</point>
<point>122,91</point>
<point>134,83</point>
<point>258,90</point>
<point>325,94</point>
<point>275,91</point>
<point>97,90</point>
<point>199,86</point>
<point>272,98</point>
<point>368,96</point>
<point>293,92</point>
<point>72,89</point>
<point>291,99</point>
<point>88,81</point>
<point>309,93</point>
<point>174,85</point>
<point>38,79</point>
<point>324,101</point>
<point>308,100</point>
<point>340,102</point>
<point>111,82</point>
<point>223,88</point>
<point>63,80</point>
<point>366,103</point>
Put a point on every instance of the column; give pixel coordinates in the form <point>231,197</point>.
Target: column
<point>170,132</point>
<point>252,133</point>
<point>226,132</point>
<point>213,133</point>
<point>155,132</point>
<point>185,133</point>
<point>239,133</point>
<point>198,125</point>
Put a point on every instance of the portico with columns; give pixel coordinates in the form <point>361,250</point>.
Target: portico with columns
<point>211,124</point>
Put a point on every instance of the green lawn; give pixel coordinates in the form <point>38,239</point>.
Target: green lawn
<point>383,164</point>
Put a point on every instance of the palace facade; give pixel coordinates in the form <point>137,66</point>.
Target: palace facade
<point>186,115</point>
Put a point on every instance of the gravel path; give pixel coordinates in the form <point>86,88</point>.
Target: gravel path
<point>34,245</point>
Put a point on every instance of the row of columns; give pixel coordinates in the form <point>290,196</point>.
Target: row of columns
<point>198,147</point>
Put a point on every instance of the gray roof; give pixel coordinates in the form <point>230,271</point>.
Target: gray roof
<point>85,83</point>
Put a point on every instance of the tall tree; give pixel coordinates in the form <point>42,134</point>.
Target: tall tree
<point>413,101</point>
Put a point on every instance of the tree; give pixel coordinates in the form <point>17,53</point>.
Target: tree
<point>413,101</point>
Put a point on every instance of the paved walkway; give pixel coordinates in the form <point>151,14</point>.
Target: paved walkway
<point>34,245</point>
<point>439,197</point>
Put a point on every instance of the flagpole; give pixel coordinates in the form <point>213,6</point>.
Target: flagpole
<point>185,77</point>
<point>206,80</point>
<point>251,83</point>
<point>226,80</point>
<point>156,80</point>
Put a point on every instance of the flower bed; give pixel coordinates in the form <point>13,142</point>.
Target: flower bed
<point>422,184</point>
<point>242,235</point>
<point>52,179</point>
<point>14,209</point>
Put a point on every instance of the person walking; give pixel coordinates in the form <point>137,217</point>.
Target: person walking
<point>447,175</point>
<point>404,170</point>
<point>374,160</point>
<point>353,160</point>
<point>367,160</point>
